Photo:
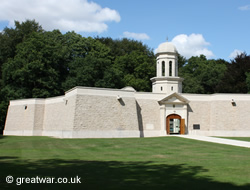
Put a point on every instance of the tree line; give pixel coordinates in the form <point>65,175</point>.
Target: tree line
<point>35,63</point>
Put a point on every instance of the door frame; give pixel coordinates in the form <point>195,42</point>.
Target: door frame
<point>175,116</point>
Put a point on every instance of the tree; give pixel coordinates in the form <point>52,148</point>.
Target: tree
<point>248,81</point>
<point>182,61</point>
<point>132,62</point>
<point>89,61</point>
<point>35,70</point>
<point>136,68</point>
<point>202,75</point>
<point>9,40</point>
<point>235,79</point>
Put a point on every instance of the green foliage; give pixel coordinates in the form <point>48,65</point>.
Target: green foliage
<point>35,69</point>
<point>136,69</point>
<point>235,79</point>
<point>248,81</point>
<point>38,64</point>
<point>10,38</point>
<point>89,62</point>
<point>201,75</point>
<point>133,63</point>
<point>181,61</point>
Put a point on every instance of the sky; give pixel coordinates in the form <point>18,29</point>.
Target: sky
<point>219,29</point>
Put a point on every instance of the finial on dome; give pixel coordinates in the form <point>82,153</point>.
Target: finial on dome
<point>167,38</point>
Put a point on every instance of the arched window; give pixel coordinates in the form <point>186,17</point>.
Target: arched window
<point>170,68</point>
<point>163,68</point>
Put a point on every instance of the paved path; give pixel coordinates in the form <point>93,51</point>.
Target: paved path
<point>218,140</point>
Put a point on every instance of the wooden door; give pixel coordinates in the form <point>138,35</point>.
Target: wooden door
<point>182,131</point>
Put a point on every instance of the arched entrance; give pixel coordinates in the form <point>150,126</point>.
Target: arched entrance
<point>175,124</point>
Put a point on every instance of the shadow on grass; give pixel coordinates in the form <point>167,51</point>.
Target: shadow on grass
<point>110,175</point>
<point>1,137</point>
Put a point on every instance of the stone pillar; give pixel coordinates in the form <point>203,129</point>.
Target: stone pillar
<point>176,68</point>
<point>160,68</point>
<point>167,68</point>
<point>186,118</point>
<point>173,68</point>
<point>163,120</point>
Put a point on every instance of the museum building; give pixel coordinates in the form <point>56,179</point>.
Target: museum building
<point>86,112</point>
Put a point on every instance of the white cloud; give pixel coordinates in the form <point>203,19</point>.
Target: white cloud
<point>235,53</point>
<point>77,15</point>
<point>136,36</point>
<point>192,45</point>
<point>245,8</point>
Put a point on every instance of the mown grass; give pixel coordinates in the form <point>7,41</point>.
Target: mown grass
<point>129,163</point>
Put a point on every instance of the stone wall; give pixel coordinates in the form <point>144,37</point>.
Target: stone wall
<point>149,117</point>
<point>103,114</point>
<point>217,115</point>
<point>59,116</point>
<point>25,117</point>
<point>110,113</point>
<point>199,113</point>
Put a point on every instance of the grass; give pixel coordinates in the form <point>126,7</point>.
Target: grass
<point>129,163</point>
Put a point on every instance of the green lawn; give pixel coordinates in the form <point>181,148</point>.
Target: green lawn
<point>129,163</point>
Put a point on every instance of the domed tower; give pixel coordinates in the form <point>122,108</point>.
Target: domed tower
<point>166,80</point>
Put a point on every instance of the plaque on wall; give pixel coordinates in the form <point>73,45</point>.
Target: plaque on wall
<point>196,126</point>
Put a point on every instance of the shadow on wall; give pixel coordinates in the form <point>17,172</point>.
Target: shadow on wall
<point>111,175</point>
<point>189,110</point>
<point>140,123</point>
<point>121,101</point>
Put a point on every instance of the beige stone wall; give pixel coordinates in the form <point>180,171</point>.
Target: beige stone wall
<point>149,114</point>
<point>227,117</point>
<point>38,119</point>
<point>218,117</point>
<point>25,117</point>
<point>19,117</point>
<point>199,113</point>
<point>59,114</point>
<point>98,113</point>
<point>103,113</point>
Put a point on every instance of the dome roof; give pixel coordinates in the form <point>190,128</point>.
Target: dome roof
<point>129,88</point>
<point>166,47</point>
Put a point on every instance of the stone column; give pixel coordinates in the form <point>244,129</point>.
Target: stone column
<point>167,67</point>
<point>163,120</point>
<point>158,68</point>
<point>173,68</point>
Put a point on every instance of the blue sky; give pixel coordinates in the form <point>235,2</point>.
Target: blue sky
<point>216,28</point>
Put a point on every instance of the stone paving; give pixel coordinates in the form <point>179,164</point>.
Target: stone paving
<point>218,140</point>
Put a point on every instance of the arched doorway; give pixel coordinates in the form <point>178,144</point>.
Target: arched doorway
<point>175,124</point>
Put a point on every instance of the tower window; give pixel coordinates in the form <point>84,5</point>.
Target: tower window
<point>170,68</point>
<point>172,88</point>
<point>163,68</point>
<point>161,88</point>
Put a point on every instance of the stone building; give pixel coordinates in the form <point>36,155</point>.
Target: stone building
<point>85,112</point>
